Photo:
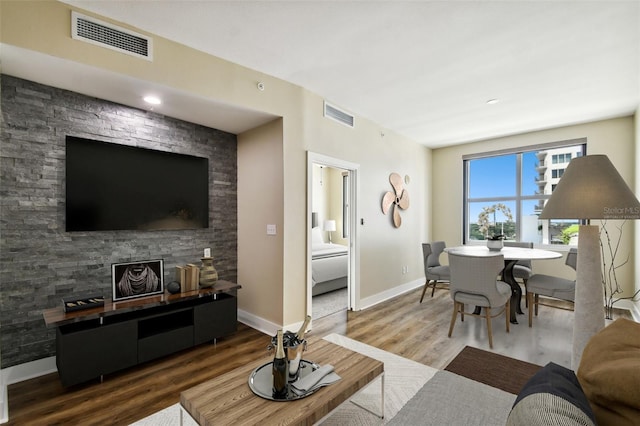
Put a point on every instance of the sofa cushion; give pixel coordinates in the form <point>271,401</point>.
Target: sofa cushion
<point>609,373</point>
<point>553,396</point>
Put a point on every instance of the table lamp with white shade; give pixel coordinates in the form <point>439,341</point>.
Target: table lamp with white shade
<point>590,188</point>
<point>329,226</point>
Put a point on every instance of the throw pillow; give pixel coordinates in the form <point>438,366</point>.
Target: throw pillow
<point>609,373</point>
<point>553,396</point>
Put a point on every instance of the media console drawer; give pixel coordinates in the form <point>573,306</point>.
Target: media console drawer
<point>165,343</point>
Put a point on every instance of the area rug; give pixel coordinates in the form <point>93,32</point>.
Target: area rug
<point>498,371</point>
<point>403,379</point>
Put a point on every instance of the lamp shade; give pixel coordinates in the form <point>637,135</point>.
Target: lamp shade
<point>591,188</point>
<point>329,225</point>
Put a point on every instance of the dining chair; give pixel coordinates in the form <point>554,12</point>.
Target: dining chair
<point>474,281</point>
<point>433,270</point>
<point>551,286</point>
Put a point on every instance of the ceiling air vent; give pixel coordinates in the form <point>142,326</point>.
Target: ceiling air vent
<point>338,115</point>
<point>110,36</point>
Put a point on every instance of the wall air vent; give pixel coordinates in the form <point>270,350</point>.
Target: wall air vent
<point>103,34</point>
<point>337,114</point>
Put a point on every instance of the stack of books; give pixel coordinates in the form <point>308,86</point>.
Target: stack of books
<point>188,276</point>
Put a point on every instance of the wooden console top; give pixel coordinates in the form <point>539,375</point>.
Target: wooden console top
<point>56,317</point>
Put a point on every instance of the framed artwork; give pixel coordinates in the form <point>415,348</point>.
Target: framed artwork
<point>137,279</point>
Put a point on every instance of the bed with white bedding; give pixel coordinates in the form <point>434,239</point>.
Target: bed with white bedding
<point>329,264</point>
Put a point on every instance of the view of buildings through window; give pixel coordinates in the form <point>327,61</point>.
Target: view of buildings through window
<point>505,193</point>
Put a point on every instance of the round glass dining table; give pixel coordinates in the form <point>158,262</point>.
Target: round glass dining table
<point>511,256</point>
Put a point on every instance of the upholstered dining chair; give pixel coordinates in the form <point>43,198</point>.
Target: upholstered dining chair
<point>433,270</point>
<point>551,286</point>
<point>474,281</point>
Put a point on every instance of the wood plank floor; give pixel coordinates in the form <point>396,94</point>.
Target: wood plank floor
<point>401,325</point>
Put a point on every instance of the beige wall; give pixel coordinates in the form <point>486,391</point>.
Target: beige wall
<point>260,202</point>
<point>327,199</point>
<point>615,138</point>
<point>383,248</point>
<point>278,292</point>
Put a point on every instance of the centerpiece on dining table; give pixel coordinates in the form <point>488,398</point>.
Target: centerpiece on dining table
<point>495,231</point>
<point>496,242</point>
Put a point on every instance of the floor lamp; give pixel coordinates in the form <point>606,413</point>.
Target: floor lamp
<point>590,188</point>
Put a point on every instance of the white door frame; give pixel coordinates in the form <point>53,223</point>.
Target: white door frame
<point>353,287</point>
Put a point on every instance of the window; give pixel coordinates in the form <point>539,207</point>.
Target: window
<point>561,158</point>
<point>505,192</point>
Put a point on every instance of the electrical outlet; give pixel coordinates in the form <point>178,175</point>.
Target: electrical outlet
<point>405,269</point>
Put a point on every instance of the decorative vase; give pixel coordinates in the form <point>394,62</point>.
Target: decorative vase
<point>495,245</point>
<point>208,274</point>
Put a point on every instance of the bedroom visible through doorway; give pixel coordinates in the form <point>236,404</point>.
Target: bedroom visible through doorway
<point>329,241</point>
<point>331,237</point>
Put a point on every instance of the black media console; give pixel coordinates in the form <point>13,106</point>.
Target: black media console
<point>102,340</point>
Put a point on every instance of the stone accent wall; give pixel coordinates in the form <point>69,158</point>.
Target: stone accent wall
<point>40,263</point>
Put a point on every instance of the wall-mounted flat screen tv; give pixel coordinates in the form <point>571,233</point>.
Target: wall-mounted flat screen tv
<point>118,187</point>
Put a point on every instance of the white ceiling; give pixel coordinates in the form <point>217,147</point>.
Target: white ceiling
<point>424,69</point>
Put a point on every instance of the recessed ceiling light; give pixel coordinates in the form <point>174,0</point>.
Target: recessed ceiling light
<point>153,100</point>
<point>493,101</point>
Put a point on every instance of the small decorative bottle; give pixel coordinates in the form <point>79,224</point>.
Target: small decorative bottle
<point>280,370</point>
<point>208,274</point>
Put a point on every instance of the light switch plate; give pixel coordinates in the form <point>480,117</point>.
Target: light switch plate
<point>271,230</point>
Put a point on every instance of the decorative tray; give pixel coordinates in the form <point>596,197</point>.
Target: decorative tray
<point>71,304</point>
<point>261,381</point>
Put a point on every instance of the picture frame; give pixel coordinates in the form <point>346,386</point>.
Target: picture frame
<point>137,279</point>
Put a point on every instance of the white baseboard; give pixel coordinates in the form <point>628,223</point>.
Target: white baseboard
<point>390,294</point>
<point>29,370</point>
<point>634,307</point>
<point>271,328</point>
<point>19,373</point>
<point>258,323</point>
<point>4,405</point>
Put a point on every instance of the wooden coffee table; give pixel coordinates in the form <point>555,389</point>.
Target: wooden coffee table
<point>227,399</point>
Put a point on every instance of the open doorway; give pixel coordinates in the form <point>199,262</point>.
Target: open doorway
<point>331,255</point>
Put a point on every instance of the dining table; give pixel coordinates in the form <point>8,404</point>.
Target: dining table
<point>511,257</point>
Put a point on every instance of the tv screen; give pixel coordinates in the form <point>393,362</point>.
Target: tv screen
<point>118,187</point>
